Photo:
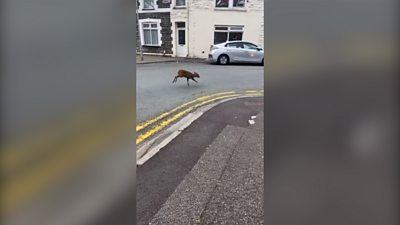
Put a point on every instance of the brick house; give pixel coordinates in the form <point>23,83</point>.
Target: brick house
<point>187,28</point>
<point>154,25</point>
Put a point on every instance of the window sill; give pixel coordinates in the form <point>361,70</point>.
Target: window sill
<point>231,9</point>
<point>179,7</point>
<point>151,45</point>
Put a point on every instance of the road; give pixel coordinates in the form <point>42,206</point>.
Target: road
<point>155,92</point>
<point>157,179</point>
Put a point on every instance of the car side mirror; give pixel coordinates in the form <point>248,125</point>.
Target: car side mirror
<point>259,49</point>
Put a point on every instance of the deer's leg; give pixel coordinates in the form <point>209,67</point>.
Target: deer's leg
<point>187,81</point>
<point>175,79</point>
<point>194,80</point>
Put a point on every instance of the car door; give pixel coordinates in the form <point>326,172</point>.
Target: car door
<point>235,51</point>
<point>252,53</point>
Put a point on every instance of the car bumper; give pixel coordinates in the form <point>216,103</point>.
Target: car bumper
<point>211,59</point>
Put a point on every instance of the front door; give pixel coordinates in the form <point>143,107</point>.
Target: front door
<point>181,50</point>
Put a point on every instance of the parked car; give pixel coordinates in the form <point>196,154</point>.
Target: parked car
<point>236,52</point>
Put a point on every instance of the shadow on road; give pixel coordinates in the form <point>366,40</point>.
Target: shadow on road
<point>237,64</point>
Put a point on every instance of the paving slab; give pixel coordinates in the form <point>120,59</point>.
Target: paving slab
<point>238,197</point>
<point>188,201</point>
<point>226,185</point>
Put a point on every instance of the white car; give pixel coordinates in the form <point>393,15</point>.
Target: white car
<point>236,52</point>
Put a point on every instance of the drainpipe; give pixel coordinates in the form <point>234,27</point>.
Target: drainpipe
<point>187,35</point>
<point>140,42</point>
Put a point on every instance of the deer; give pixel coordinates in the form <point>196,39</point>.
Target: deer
<point>186,74</point>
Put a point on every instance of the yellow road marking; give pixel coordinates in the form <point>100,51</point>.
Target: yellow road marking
<point>165,123</point>
<point>15,155</point>
<point>254,94</point>
<point>18,153</point>
<point>151,121</point>
<point>25,187</point>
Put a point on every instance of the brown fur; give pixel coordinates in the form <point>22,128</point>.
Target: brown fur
<point>186,74</point>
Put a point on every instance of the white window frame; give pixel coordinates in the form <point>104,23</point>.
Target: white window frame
<point>180,6</point>
<point>228,30</point>
<point>230,5</point>
<point>158,22</point>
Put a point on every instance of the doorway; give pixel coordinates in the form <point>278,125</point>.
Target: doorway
<point>181,50</point>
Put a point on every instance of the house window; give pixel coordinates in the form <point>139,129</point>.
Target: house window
<point>238,3</point>
<point>181,39</point>
<point>150,34</point>
<point>180,24</point>
<point>148,4</point>
<point>227,33</point>
<point>222,3</point>
<point>229,3</point>
<point>180,3</point>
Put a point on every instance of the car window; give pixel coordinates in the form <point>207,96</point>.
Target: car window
<point>247,45</point>
<point>234,45</point>
<point>251,44</point>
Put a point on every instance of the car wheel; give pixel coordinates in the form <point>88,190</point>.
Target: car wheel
<point>223,59</point>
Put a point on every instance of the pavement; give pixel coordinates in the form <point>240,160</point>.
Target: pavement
<point>225,186</point>
<point>157,59</point>
<point>332,152</point>
<point>216,159</point>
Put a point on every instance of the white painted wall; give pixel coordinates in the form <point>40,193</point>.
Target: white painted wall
<point>203,17</point>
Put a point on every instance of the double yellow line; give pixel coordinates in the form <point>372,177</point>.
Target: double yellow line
<point>151,121</point>
<point>25,187</point>
<point>31,167</point>
<point>178,115</point>
<point>201,101</point>
<point>59,159</point>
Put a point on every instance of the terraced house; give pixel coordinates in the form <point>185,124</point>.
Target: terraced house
<point>188,28</point>
<point>153,29</point>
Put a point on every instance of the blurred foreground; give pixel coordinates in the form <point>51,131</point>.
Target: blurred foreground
<point>331,94</point>
<point>68,112</point>
<point>331,97</point>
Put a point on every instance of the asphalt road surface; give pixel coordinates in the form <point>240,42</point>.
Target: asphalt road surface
<point>155,92</point>
<point>318,167</point>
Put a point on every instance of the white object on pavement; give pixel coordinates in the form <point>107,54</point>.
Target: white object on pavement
<point>251,122</point>
<point>253,117</point>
